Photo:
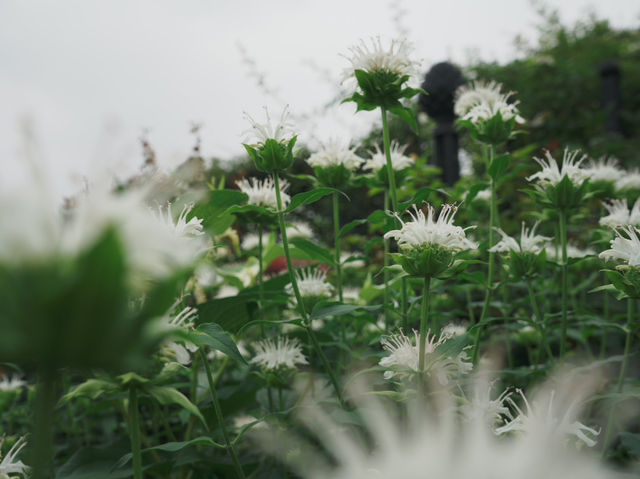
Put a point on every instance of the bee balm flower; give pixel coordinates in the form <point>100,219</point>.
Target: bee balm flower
<point>429,244</point>
<point>552,174</point>
<point>529,241</point>
<point>625,249</point>
<point>619,214</point>
<point>9,465</point>
<point>334,162</point>
<point>479,102</point>
<point>272,150</point>
<point>277,353</point>
<point>263,192</point>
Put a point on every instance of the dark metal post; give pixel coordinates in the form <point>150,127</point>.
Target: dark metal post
<point>441,83</point>
<point>611,95</point>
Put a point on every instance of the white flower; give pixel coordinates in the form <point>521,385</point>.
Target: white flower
<point>378,160</point>
<point>625,249</point>
<point>530,242</point>
<point>552,173</point>
<point>619,214</point>
<point>299,229</point>
<point>184,319</point>
<point>263,192</point>
<point>481,101</point>
<point>629,180</point>
<point>335,153</point>
<point>12,384</point>
<point>426,230</point>
<point>404,353</point>
<point>544,414</point>
<point>483,408</point>
<point>451,330</point>
<point>573,251</point>
<point>430,442</point>
<point>9,465</point>
<point>278,352</point>
<point>261,132</point>
<point>374,57</point>
<point>311,283</point>
<point>250,241</point>
<point>155,246</point>
<point>605,169</point>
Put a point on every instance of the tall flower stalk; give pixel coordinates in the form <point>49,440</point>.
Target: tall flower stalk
<point>336,240</point>
<point>562,219</point>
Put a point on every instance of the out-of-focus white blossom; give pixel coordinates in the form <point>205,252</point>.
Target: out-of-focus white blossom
<point>552,173</point>
<point>481,101</point>
<point>311,283</point>
<point>404,354</point>
<point>619,214</point>
<point>628,180</point>
<point>573,251</point>
<point>335,153</point>
<point>277,353</point>
<point>625,248</point>
<point>12,383</point>
<point>263,192</point>
<point>378,160</point>
<point>427,230</point>
<point>604,170</point>
<point>530,242</point>
<point>299,229</point>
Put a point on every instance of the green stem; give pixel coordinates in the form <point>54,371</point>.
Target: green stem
<point>134,432</point>
<point>394,203</point>
<point>542,327</point>
<point>260,276</point>
<point>386,276</point>
<point>336,233</point>
<point>43,427</point>
<point>296,292</point>
<point>623,373</point>
<point>489,290</point>
<point>424,321</point>
<point>565,279</point>
<point>219,417</point>
<point>603,338</point>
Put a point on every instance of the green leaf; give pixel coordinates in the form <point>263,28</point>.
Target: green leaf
<point>350,226</point>
<point>314,251</point>
<point>407,115</point>
<point>214,212</point>
<point>453,346</point>
<point>166,395</point>
<point>92,389</point>
<point>230,313</point>
<point>498,166</point>
<point>213,336</point>
<point>310,197</point>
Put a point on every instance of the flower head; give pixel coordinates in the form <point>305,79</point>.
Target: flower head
<point>280,352</point>
<point>529,241</point>
<point>604,170</point>
<point>630,180</point>
<point>335,153</point>
<point>404,354</point>
<point>375,58</point>
<point>552,173</point>
<point>312,283</point>
<point>299,229</point>
<point>624,248</point>
<point>272,147</point>
<point>543,414</point>
<point>281,132</point>
<point>619,214</point>
<point>9,464</point>
<point>263,192</point>
<point>378,160</point>
<point>479,102</point>
<point>427,230</point>
<point>12,383</point>
<point>184,320</point>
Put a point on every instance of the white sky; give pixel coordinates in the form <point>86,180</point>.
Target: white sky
<point>88,76</point>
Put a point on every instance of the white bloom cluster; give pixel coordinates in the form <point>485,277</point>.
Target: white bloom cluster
<point>278,352</point>
<point>405,353</point>
<point>604,170</point>
<point>625,249</point>
<point>9,464</point>
<point>573,251</point>
<point>619,214</point>
<point>263,192</point>
<point>543,412</point>
<point>378,160</point>
<point>552,173</point>
<point>432,442</point>
<point>530,242</point>
<point>630,180</point>
<point>12,383</point>
<point>282,131</point>
<point>155,244</point>
<point>374,57</point>
<point>427,230</point>
<point>335,153</point>
<point>481,101</point>
<point>311,283</point>
<point>299,229</point>
<point>184,319</point>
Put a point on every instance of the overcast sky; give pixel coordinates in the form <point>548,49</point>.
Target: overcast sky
<point>85,77</point>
